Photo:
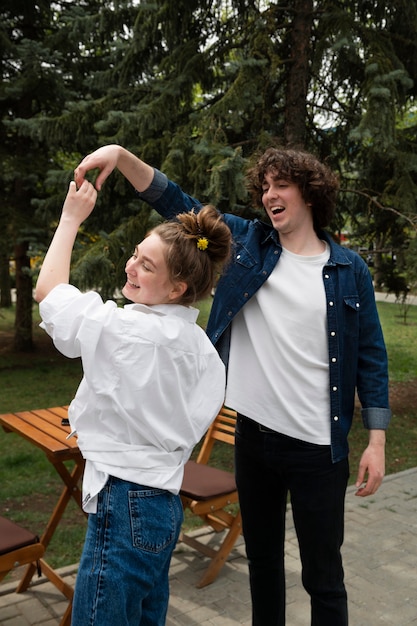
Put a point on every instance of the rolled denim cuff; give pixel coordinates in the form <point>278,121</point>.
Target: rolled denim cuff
<point>376,418</point>
<point>156,188</point>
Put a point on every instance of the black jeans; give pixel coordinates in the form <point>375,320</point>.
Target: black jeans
<point>268,467</point>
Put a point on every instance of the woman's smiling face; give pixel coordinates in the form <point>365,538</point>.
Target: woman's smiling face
<point>148,281</point>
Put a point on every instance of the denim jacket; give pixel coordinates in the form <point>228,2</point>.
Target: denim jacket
<point>357,355</point>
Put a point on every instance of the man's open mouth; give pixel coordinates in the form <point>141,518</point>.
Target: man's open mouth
<point>277,209</point>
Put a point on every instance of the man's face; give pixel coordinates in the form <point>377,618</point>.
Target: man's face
<point>284,204</point>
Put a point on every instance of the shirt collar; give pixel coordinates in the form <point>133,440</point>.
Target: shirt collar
<point>338,255</point>
<point>270,232</point>
<point>188,313</point>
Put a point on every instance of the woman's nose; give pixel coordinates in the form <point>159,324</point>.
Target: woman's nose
<point>129,266</point>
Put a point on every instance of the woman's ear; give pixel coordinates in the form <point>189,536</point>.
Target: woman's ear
<point>178,290</point>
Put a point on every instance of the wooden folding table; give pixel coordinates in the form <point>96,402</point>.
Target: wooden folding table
<point>44,429</point>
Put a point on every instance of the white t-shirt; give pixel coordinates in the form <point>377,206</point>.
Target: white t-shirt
<point>278,368</point>
<point>152,385</point>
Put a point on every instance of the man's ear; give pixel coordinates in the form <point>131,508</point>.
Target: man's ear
<point>178,290</point>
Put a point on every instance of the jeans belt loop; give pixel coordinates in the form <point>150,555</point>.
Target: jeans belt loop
<point>265,429</point>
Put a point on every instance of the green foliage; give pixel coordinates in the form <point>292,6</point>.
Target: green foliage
<point>196,88</point>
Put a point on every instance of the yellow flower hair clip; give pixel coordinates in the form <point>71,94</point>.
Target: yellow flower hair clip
<point>202,243</point>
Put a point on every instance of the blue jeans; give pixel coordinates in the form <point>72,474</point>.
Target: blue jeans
<point>123,574</point>
<point>268,467</point>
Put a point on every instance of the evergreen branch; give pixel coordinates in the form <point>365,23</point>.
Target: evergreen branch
<point>412,220</point>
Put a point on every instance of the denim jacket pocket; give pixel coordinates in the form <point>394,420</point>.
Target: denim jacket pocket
<point>243,256</point>
<point>352,308</point>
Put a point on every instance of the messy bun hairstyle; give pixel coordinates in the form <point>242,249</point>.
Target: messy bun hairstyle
<point>198,246</point>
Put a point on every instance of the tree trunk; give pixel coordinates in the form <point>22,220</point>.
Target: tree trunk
<point>23,337</point>
<point>299,74</point>
<point>5,285</point>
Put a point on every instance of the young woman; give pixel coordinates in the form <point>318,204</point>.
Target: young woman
<point>152,384</point>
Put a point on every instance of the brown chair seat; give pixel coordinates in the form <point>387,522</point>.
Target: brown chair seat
<point>202,482</point>
<point>19,546</point>
<point>13,537</point>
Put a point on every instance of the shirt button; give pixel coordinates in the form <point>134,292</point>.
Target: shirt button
<point>246,295</point>
<point>334,359</point>
<point>326,276</point>
<point>331,303</point>
<point>332,334</point>
<point>238,257</point>
<point>275,251</point>
<point>264,273</point>
<point>357,305</point>
<point>336,418</point>
<point>334,388</point>
<point>229,313</point>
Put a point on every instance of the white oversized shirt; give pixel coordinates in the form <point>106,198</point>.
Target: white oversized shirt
<point>152,385</point>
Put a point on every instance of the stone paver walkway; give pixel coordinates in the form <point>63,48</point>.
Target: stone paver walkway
<point>380,557</point>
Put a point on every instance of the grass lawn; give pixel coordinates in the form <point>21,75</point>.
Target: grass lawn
<point>29,486</point>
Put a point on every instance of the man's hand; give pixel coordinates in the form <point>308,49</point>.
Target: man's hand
<point>372,465</point>
<point>104,159</point>
<point>108,158</point>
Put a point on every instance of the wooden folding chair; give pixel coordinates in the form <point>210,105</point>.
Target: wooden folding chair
<point>19,546</point>
<point>208,492</point>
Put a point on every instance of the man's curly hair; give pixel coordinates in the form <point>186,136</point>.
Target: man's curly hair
<point>317,183</point>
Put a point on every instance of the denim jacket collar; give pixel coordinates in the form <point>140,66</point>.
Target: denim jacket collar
<point>337,254</point>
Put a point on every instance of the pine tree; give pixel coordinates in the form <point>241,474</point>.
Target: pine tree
<point>197,88</point>
<point>28,89</point>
